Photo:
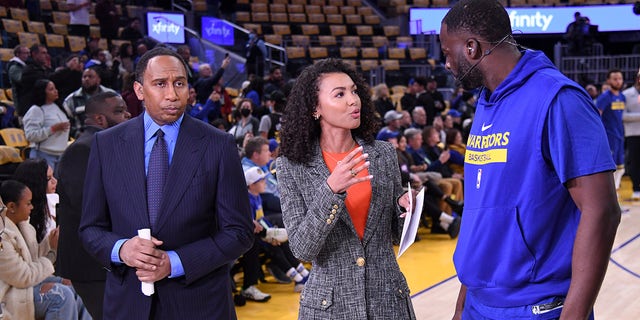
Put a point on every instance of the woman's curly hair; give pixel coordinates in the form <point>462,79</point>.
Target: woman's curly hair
<point>33,173</point>
<point>300,130</point>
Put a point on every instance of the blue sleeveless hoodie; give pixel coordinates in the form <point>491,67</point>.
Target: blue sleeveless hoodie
<point>520,222</point>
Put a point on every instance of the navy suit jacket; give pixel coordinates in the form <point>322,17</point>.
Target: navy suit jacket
<point>204,217</point>
<point>73,262</point>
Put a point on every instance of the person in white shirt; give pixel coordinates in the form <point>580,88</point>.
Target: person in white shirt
<point>79,17</point>
<point>45,125</point>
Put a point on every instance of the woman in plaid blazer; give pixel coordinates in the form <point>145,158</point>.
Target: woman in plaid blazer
<point>340,192</point>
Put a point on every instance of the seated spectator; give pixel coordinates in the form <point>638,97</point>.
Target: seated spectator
<point>392,119</point>
<point>442,222</point>
<point>382,100</point>
<point>409,99</point>
<point>38,176</point>
<point>74,103</point>
<point>274,81</point>
<point>450,186</point>
<point>438,126</point>
<point>255,92</point>
<point>246,124</point>
<point>453,119</point>
<point>26,268</point>
<point>226,103</point>
<point>457,149</point>
<point>405,121</point>
<point>465,103</point>
<point>272,239</point>
<point>257,154</point>
<point>134,105</point>
<point>438,157</point>
<point>270,123</point>
<point>419,116</point>
<point>125,55</point>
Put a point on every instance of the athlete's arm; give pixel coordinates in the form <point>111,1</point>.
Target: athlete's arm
<point>462,295</point>
<point>595,196</point>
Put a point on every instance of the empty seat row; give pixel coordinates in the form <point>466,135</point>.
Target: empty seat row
<point>264,17</point>
<point>337,3</point>
<point>400,54</point>
<point>310,9</point>
<point>315,29</point>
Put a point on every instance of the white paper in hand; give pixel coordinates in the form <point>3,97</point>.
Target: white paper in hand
<point>146,287</point>
<point>411,222</point>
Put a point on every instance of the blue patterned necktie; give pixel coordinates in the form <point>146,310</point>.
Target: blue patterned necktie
<point>156,176</point>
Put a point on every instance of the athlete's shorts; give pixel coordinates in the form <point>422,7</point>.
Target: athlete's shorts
<point>547,309</point>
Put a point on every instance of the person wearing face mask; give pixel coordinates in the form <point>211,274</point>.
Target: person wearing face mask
<point>246,124</point>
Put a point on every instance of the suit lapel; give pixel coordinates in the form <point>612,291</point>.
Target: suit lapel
<point>186,156</point>
<point>376,205</point>
<point>132,147</point>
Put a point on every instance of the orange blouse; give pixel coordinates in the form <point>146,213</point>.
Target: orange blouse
<point>358,195</point>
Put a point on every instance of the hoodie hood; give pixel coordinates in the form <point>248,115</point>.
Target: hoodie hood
<point>530,62</point>
<point>18,60</point>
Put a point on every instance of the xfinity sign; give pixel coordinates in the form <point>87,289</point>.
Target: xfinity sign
<point>217,31</point>
<point>541,20</point>
<point>166,27</point>
<point>536,21</point>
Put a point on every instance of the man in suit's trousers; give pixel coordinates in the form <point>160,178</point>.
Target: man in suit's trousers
<point>203,224</point>
<point>103,111</point>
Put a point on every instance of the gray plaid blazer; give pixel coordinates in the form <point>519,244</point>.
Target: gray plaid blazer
<point>350,279</point>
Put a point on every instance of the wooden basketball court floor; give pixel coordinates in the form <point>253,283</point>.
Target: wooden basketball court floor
<point>429,270</point>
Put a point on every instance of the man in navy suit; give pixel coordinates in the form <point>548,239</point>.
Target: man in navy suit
<point>103,110</point>
<point>203,224</point>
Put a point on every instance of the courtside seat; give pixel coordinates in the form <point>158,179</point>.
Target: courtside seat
<point>351,41</point>
<point>273,39</point>
<point>59,28</point>
<point>19,14</point>
<point>318,52</point>
<point>76,43</point>
<point>368,64</point>
<point>279,17</point>
<point>54,40</point>
<point>15,137</point>
<point>316,18</point>
<point>61,17</point>
<point>348,52</point>
<point>28,39</point>
<point>36,27</point>
<point>12,26</point>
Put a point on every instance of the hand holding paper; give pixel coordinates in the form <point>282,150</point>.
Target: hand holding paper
<point>411,221</point>
<point>146,287</point>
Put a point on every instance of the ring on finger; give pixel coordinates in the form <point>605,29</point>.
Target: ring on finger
<point>353,173</point>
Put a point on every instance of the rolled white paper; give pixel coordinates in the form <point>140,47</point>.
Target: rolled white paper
<point>146,287</point>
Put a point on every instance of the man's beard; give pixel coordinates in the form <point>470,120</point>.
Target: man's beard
<point>92,88</point>
<point>470,79</point>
